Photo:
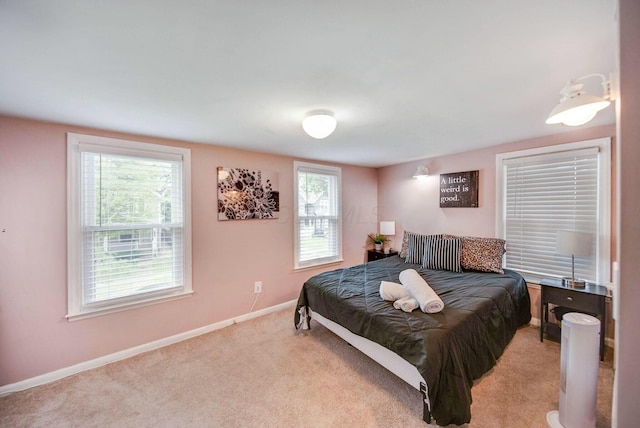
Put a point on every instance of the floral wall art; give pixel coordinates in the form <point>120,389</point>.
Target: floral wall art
<point>247,194</point>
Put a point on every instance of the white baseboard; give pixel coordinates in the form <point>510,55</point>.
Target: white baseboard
<point>131,352</point>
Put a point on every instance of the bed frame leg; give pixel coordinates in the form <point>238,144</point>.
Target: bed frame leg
<point>426,414</point>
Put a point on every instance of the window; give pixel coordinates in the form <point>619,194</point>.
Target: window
<point>318,219</point>
<point>129,234</point>
<point>542,191</point>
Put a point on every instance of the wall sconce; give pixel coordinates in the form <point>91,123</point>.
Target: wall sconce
<point>319,124</point>
<point>576,107</point>
<point>421,173</point>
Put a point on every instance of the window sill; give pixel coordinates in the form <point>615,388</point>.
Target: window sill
<point>319,265</point>
<point>125,307</point>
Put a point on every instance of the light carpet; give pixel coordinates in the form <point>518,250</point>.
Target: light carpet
<point>261,373</point>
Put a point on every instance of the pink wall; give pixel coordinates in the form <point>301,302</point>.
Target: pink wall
<point>35,337</point>
<point>414,204</point>
<point>627,377</point>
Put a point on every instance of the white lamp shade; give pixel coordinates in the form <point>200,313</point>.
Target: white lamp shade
<point>573,242</point>
<point>576,107</point>
<point>577,110</point>
<point>387,228</point>
<point>319,124</point>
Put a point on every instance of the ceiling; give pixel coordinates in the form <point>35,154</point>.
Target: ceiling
<point>407,79</point>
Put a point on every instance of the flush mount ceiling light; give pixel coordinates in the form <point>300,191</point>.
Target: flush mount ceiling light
<point>576,107</point>
<point>422,172</point>
<point>319,123</point>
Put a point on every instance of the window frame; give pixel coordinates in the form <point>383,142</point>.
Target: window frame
<point>603,256</point>
<point>76,310</point>
<point>299,166</point>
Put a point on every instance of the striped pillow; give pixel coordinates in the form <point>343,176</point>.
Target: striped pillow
<point>415,248</point>
<point>443,254</point>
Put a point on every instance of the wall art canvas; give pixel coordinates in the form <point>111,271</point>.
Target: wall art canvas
<point>459,190</point>
<point>245,194</point>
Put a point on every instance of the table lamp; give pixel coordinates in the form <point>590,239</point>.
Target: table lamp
<point>387,228</point>
<point>577,244</point>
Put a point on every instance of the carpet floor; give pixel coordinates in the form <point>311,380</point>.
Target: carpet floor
<point>262,373</point>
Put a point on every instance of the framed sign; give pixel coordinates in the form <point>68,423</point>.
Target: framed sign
<point>459,190</point>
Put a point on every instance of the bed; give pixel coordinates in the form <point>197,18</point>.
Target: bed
<point>440,354</point>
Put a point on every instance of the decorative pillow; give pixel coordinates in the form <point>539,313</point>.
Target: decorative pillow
<point>415,248</point>
<point>482,254</point>
<point>442,254</point>
<point>405,245</point>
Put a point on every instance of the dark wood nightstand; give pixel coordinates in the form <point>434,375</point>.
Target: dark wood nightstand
<point>590,300</point>
<point>377,255</point>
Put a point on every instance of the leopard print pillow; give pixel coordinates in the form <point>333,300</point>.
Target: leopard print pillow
<point>405,245</point>
<point>481,254</point>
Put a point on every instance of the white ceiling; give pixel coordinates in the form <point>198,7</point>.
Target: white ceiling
<point>407,79</point>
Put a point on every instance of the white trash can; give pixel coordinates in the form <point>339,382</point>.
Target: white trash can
<point>579,361</point>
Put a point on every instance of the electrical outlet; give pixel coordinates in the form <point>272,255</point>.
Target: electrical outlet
<point>257,287</point>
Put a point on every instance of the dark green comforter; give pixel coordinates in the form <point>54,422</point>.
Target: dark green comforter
<point>451,348</point>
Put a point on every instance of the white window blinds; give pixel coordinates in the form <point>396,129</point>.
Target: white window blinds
<point>318,218</point>
<point>548,192</point>
<point>128,223</point>
<point>133,220</point>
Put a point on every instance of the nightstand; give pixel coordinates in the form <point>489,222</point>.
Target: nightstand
<point>590,300</point>
<point>377,255</point>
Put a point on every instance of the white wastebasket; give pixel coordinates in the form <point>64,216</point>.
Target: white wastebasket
<point>579,360</point>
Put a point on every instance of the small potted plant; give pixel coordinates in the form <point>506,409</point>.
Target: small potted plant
<point>377,240</point>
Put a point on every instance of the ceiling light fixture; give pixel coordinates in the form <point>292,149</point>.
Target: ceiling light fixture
<point>319,124</point>
<point>576,107</point>
<point>421,173</point>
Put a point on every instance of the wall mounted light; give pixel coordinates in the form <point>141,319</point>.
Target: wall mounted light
<point>421,173</point>
<point>576,107</point>
<point>319,124</point>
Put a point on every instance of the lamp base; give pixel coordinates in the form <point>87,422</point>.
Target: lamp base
<point>569,282</point>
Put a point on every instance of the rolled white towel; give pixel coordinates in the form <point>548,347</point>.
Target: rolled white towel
<point>429,301</point>
<point>392,291</point>
<point>407,304</point>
